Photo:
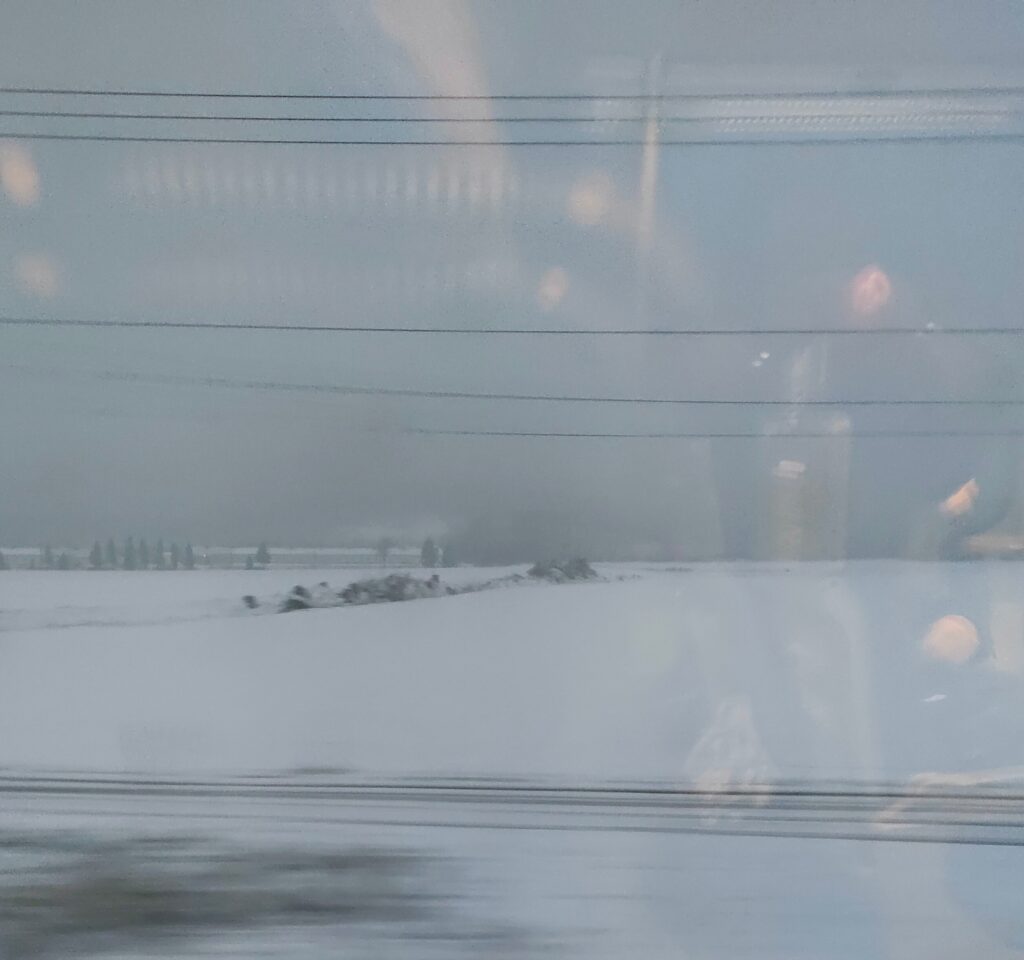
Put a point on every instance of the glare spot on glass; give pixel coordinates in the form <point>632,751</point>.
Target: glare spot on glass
<point>18,174</point>
<point>870,290</point>
<point>952,639</point>
<point>37,274</point>
<point>764,355</point>
<point>840,424</point>
<point>590,199</point>
<point>553,287</point>
<point>789,469</point>
<point>962,500</point>
<point>757,363</point>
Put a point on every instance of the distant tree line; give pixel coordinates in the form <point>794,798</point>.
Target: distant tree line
<point>139,557</point>
<point>431,555</point>
<point>260,559</point>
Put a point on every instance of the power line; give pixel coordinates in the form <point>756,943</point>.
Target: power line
<point>346,390</point>
<point>955,115</point>
<point>162,379</point>
<point>835,94</point>
<point>516,331</point>
<point>809,141</point>
<point>702,435</point>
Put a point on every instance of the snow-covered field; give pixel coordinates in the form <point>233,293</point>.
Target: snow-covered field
<point>41,600</point>
<point>746,672</point>
<point>492,767</point>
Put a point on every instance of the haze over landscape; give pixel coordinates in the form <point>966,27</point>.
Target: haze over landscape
<point>236,436</point>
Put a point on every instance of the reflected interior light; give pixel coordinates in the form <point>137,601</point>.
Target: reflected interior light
<point>952,639</point>
<point>870,290</point>
<point>764,355</point>
<point>18,174</point>
<point>553,287</point>
<point>789,469</point>
<point>840,424</point>
<point>590,199</point>
<point>962,501</point>
<point>37,274</point>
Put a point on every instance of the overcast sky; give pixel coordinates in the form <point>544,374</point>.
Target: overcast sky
<point>111,432</point>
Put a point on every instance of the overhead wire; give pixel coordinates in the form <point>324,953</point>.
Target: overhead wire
<point>1009,137</point>
<point>405,392</point>
<point>479,330</point>
<point>705,434</point>
<point>833,94</point>
<point>802,118</point>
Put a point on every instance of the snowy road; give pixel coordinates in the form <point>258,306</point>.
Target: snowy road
<point>304,867</point>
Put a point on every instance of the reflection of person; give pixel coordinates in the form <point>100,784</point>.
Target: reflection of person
<point>977,493</point>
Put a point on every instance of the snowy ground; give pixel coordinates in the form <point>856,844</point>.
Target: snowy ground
<point>434,752</point>
<point>43,600</point>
